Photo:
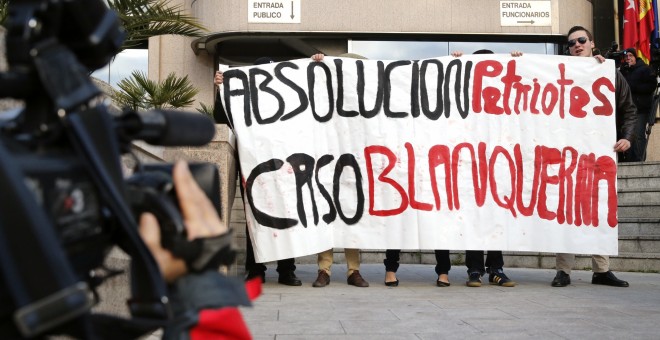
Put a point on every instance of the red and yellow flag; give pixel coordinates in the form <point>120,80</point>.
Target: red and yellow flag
<point>646,25</point>
<point>638,26</point>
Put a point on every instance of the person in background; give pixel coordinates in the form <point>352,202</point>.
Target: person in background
<point>474,259</point>
<point>324,259</point>
<point>642,82</point>
<point>285,268</point>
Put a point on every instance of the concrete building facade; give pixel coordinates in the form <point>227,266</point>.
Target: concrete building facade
<point>235,38</point>
<point>240,31</point>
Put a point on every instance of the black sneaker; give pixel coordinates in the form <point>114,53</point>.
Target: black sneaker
<point>497,277</point>
<point>561,279</point>
<point>474,279</point>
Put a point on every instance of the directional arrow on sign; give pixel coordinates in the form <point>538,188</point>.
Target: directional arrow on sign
<point>526,22</point>
<point>292,16</point>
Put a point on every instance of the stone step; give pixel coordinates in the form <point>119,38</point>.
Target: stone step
<point>639,244</point>
<point>639,210</point>
<point>639,169</point>
<point>630,196</point>
<point>639,227</point>
<point>638,182</point>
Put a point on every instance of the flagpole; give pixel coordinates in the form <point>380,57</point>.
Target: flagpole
<point>616,22</point>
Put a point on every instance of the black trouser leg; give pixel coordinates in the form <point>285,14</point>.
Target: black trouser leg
<point>442,262</point>
<point>391,260</point>
<point>286,265</point>
<point>494,259</point>
<point>638,147</point>
<point>474,261</point>
<point>250,265</point>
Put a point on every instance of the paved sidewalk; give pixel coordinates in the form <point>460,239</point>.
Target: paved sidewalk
<point>417,309</point>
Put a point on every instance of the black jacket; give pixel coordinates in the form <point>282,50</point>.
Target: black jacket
<point>219,114</point>
<point>642,83</point>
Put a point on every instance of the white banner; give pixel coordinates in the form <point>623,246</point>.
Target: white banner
<point>478,152</point>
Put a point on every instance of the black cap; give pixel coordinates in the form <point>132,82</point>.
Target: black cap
<point>264,60</point>
<point>483,51</point>
<point>632,50</point>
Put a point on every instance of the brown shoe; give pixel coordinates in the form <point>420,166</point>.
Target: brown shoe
<point>322,280</point>
<point>356,280</point>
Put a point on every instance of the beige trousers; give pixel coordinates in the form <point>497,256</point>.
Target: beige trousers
<point>352,260</point>
<point>599,263</point>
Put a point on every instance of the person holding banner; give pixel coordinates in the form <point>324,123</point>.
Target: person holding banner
<point>286,267</point>
<point>642,82</point>
<point>324,259</point>
<point>581,44</point>
<point>474,259</point>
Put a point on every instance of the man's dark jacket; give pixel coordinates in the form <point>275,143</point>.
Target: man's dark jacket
<point>626,111</point>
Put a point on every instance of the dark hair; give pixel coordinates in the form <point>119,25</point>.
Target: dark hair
<point>483,51</point>
<point>580,28</point>
<point>264,60</point>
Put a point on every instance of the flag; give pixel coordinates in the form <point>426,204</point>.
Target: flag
<point>655,43</point>
<point>630,37</point>
<point>645,29</point>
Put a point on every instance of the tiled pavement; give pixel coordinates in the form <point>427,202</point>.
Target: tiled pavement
<point>417,309</point>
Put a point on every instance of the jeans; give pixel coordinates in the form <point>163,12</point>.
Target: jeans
<point>474,260</point>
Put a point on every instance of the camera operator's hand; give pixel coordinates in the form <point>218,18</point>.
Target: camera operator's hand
<point>199,215</point>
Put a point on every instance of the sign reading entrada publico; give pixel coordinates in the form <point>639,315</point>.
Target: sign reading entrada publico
<point>526,13</point>
<point>274,12</point>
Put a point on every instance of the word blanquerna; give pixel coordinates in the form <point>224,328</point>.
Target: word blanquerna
<point>453,84</point>
<point>577,183</point>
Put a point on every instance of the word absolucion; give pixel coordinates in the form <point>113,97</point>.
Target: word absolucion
<point>496,89</point>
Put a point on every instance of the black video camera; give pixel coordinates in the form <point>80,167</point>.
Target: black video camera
<point>616,55</point>
<point>65,202</point>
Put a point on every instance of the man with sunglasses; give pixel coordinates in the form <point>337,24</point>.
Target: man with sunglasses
<point>580,44</point>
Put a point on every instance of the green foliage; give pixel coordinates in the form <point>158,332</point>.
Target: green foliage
<point>205,109</point>
<point>143,19</point>
<point>138,92</point>
<point>4,4</point>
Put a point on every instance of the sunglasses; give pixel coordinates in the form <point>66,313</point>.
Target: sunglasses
<point>581,40</point>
